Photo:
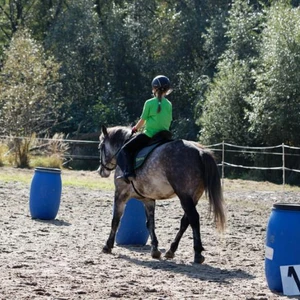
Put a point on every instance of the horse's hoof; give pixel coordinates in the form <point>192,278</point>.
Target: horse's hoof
<point>169,254</point>
<point>106,250</point>
<point>155,254</point>
<point>199,259</point>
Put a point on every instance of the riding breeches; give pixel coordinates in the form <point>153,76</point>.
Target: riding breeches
<point>126,155</point>
<point>136,143</point>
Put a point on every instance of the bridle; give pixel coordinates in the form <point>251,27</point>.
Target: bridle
<point>101,148</point>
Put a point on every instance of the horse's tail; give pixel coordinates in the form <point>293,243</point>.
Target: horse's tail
<point>213,188</point>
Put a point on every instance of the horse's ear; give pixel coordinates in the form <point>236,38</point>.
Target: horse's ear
<point>104,130</point>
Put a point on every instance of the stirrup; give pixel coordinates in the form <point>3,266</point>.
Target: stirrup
<point>126,177</point>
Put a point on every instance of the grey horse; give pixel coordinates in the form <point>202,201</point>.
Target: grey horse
<point>178,168</point>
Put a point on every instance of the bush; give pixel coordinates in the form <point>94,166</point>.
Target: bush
<point>52,161</point>
<point>50,153</point>
<point>3,151</point>
<point>21,157</point>
<point>33,152</point>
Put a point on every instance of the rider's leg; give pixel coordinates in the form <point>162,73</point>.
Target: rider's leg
<point>128,154</point>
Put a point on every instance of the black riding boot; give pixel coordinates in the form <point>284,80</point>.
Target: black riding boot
<point>128,171</point>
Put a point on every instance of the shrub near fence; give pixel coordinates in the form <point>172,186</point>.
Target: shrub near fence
<point>75,153</point>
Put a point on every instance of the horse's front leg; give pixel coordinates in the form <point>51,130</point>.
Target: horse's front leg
<point>150,213</point>
<point>118,209</point>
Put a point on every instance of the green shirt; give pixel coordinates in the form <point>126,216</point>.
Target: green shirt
<point>156,122</point>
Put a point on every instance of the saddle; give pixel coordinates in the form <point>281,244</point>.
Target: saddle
<point>158,139</point>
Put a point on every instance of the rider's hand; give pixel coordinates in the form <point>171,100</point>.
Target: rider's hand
<point>134,129</point>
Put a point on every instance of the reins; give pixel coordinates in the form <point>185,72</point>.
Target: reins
<point>115,155</point>
<point>105,165</point>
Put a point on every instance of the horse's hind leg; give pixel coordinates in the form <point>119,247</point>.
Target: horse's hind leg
<point>184,223</point>
<point>150,212</point>
<point>193,218</point>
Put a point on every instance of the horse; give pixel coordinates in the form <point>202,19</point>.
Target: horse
<point>179,168</point>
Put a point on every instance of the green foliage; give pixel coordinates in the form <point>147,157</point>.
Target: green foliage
<point>275,102</point>
<point>224,110</point>
<point>14,14</point>
<point>188,92</point>
<point>223,117</point>
<point>29,88</point>
<point>44,14</point>
<point>11,17</point>
<point>76,42</point>
<point>215,40</point>
<point>234,66</point>
<point>244,26</point>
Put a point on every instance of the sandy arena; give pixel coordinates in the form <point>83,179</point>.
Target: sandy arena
<point>63,259</point>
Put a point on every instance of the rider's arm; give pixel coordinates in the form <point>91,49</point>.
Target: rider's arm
<point>139,124</point>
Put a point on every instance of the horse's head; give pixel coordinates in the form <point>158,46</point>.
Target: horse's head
<point>111,141</point>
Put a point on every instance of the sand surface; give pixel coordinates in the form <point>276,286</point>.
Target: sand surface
<point>63,259</point>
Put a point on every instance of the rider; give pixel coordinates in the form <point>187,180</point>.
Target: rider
<point>156,116</point>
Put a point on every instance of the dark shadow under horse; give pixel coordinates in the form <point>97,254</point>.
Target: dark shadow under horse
<point>180,167</point>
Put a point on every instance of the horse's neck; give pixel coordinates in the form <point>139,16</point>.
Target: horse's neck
<point>127,137</point>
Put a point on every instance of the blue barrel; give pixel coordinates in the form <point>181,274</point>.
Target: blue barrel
<point>133,229</point>
<point>282,242</point>
<point>45,193</point>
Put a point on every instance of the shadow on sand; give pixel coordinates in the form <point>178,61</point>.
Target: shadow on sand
<point>55,222</point>
<point>202,272</point>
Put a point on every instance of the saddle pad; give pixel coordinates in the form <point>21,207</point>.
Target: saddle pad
<point>143,154</point>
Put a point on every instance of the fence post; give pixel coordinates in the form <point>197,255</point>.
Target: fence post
<point>283,166</point>
<point>223,153</point>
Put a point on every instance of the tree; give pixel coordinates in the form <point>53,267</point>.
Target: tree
<point>13,14</point>
<point>44,15</point>
<point>29,88</point>
<point>76,42</point>
<point>224,116</point>
<point>224,110</point>
<point>275,104</point>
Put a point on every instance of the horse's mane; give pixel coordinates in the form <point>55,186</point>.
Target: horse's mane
<point>118,134</point>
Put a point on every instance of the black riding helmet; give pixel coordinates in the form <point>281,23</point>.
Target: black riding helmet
<point>161,83</point>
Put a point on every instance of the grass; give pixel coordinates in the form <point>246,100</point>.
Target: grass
<point>85,179</point>
<point>92,180</point>
<point>20,177</point>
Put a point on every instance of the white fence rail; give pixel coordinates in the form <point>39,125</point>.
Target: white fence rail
<point>254,150</point>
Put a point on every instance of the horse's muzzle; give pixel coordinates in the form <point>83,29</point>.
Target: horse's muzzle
<point>103,172</point>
